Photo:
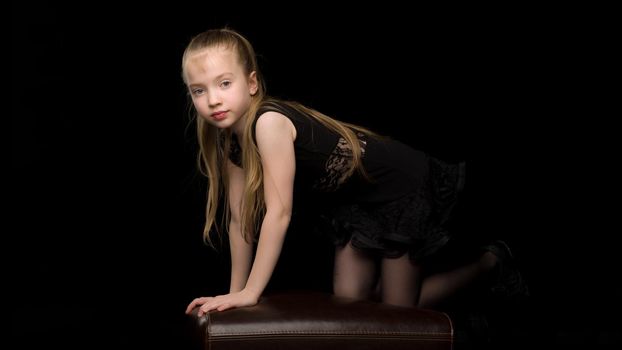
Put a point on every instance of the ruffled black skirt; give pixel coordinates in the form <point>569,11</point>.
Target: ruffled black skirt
<point>416,223</point>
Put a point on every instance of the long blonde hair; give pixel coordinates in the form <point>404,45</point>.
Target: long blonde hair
<point>215,143</point>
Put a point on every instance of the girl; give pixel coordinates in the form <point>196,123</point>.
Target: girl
<point>389,204</point>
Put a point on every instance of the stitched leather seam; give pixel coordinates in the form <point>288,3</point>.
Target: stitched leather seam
<point>208,331</point>
<point>451,326</point>
<point>345,333</point>
<point>328,336</point>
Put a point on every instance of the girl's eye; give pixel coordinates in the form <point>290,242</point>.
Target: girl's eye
<point>225,83</point>
<point>197,91</point>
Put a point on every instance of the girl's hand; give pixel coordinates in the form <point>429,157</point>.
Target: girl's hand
<point>223,302</point>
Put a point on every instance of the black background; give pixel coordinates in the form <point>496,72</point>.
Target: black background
<point>106,207</point>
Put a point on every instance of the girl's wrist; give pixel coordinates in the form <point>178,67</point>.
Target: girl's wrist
<point>251,292</point>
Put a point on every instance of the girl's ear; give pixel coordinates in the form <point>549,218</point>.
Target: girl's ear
<point>252,83</point>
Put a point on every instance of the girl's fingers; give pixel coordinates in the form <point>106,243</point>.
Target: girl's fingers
<point>196,302</point>
<point>203,310</point>
<point>213,304</point>
<point>224,307</point>
<point>219,303</point>
<point>191,306</point>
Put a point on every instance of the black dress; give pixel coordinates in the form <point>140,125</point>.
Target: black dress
<point>402,207</point>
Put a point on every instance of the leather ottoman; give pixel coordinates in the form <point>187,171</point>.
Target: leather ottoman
<point>308,320</point>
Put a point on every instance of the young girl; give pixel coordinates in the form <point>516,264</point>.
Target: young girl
<point>388,203</point>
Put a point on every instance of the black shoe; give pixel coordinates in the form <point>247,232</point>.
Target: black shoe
<point>508,283</point>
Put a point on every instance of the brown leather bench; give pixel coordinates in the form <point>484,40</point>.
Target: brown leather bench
<point>310,320</point>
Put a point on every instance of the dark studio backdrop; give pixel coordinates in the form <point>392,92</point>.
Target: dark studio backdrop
<point>106,207</point>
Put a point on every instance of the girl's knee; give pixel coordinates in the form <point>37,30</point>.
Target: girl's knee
<point>352,290</point>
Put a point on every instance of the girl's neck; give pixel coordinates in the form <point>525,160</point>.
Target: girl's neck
<point>238,127</point>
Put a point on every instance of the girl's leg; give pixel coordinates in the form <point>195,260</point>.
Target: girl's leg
<point>400,281</point>
<point>354,273</point>
<point>439,287</point>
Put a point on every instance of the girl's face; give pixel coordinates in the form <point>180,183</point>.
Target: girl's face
<point>221,91</point>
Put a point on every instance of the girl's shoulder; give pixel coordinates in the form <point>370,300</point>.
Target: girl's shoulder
<point>274,123</point>
<point>287,109</point>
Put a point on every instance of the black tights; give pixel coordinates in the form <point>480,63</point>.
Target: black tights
<point>399,281</point>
